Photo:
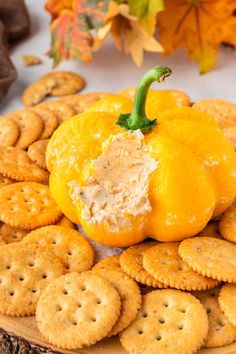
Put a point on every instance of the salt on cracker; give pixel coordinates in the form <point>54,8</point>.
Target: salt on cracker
<point>31,126</point>
<point>9,132</point>
<point>129,294</point>
<point>210,257</point>
<point>69,245</point>
<point>37,91</point>
<point>12,234</point>
<point>15,164</point>
<point>67,82</point>
<point>81,102</point>
<point>221,332</point>
<point>109,263</point>
<point>24,272</point>
<point>164,264</point>
<point>63,110</point>
<point>170,321</point>
<point>49,119</point>
<point>227,301</point>
<point>37,152</point>
<point>77,310</point>
<point>131,262</point>
<point>64,221</point>
<point>27,205</point>
<point>227,224</point>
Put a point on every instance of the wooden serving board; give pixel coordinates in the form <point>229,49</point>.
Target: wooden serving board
<point>21,336</point>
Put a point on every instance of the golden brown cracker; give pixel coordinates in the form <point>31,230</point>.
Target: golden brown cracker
<point>164,264</point>
<point>27,205</point>
<point>4,181</point>
<point>131,262</point>
<point>77,310</point>
<point>31,126</point>
<point>67,82</point>
<point>109,263</point>
<point>211,257</point>
<point>37,152</point>
<point>12,234</point>
<point>9,132</point>
<point>211,230</point>
<point>223,112</point>
<point>15,164</point>
<point>37,91</point>
<point>29,60</point>
<point>227,224</point>
<point>64,221</point>
<point>81,102</point>
<point>169,321</point>
<point>227,301</point>
<point>221,332</point>
<point>129,294</point>
<point>63,110</point>
<point>49,119</point>
<point>24,272</point>
<point>69,245</point>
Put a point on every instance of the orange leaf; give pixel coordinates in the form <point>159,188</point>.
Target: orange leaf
<point>198,26</point>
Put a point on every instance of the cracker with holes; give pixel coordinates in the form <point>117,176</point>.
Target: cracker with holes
<point>81,102</point>
<point>164,264</point>
<point>9,132</point>
<point>50,121</point>
<point>24,272</point>
<point>77,310</point>
<point>37,152</point>
<point>67,82</point>
<point>210,257</point>
<point>15,164</point>
<point>12,234</point>
<point>27,205</point>
<point>109,263</point>
<point>30,124</point>
<point>37,91</point>
<point>69,245</point>
<point>211,230</point>
<point>221,332</point>
<point>131,262</point>
<point>227,300</point>
<point>129,294</point>
<point>63,110</point>
<point>227,224</point>
<point>169,321</point>
<point>64,221</point>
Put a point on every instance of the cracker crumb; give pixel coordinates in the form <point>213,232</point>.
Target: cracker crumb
<point>29,60</point>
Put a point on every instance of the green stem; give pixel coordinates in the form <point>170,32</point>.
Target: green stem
<point>138,119</point>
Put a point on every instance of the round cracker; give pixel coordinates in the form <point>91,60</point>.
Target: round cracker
<point>49,119</point>
<point>129,294</point>
<point>27,205</point>
<point>77,310</point>
<point>64,221</point>
<point>37,153</point>
<point>69,245</point>
<point>211,230</point>
<point>170,321</point>
<point>164,264</point>
<point>67,82</point>
<point>15,164</point>
<point>82,102</point>
<point>30,124</point>
<point>210,257</point>
<point>221,332</point>
<point>109,263</point>
<point>24,272</point>
<point>227,224</point>
<point>223,112</point>
<point>227,301</point>
<point>37,91</point>
<point>12,234</point>
<point>9,132</point>
<point>131,262</point>
<point>4,181</point>
<point>63,110</point>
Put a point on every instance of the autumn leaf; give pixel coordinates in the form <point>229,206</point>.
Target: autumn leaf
<point>146,11</point>
<point>71,36</point>
<point>127,32</point>
<point>198,26</point>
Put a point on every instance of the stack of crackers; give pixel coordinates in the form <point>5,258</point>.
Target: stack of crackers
<point>158,297</point>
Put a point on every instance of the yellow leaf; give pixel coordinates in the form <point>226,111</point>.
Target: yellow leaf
<point>198,26</point>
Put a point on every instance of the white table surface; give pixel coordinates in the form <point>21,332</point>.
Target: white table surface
<point>112,70</point>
